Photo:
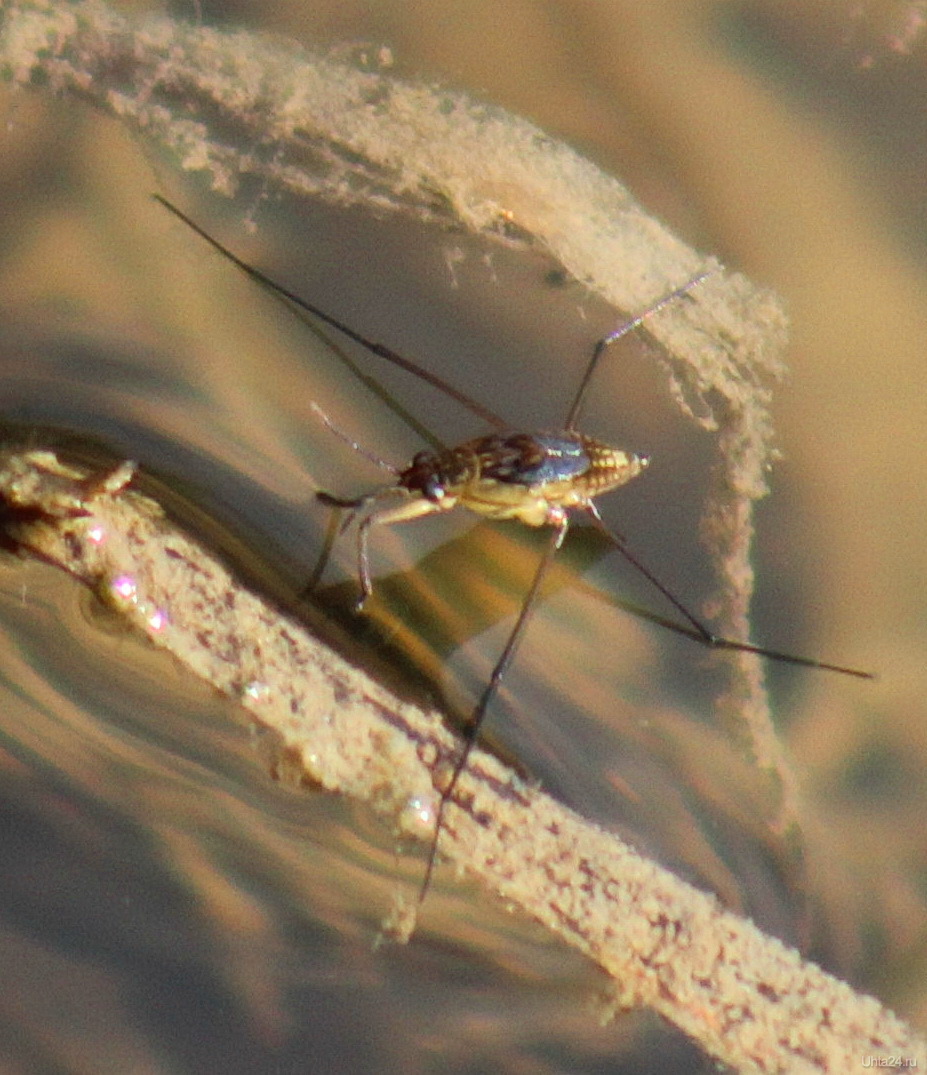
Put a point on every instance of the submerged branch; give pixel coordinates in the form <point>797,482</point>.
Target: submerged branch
<point>746,998</point>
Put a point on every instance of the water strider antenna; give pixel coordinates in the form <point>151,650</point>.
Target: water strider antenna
<point>378,461</point>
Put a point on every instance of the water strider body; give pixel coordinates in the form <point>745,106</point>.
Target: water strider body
<point>536,478</point>
<point>533,477</point>
<point>541,479</point>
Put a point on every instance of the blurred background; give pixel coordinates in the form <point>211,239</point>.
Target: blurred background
<point>167,903</point>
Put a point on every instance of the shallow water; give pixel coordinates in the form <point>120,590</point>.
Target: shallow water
<point>194,914</point>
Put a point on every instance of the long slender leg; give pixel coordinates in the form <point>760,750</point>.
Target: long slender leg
<point>613,337</point>
<point>698,632</point>
<point>363,562</point>
<point>408,508</point>
<point>471,732</point>
<point>336,528</point>
<point>363,557</point>
<point>294,300</point>
<point>332,533</point>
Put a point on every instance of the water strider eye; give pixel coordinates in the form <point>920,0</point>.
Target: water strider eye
<point>434,490</point>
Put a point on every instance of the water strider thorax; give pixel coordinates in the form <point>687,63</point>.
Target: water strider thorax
<point>535,478</point>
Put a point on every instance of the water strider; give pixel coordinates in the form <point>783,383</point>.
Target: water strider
<point>541,479</point>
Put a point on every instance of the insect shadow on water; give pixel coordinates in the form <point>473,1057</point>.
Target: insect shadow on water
<point>541,479</point>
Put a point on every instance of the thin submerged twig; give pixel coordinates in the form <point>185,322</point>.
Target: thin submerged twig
<point>746,998</point>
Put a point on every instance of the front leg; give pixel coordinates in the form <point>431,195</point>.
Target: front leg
<point>413,505</point>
